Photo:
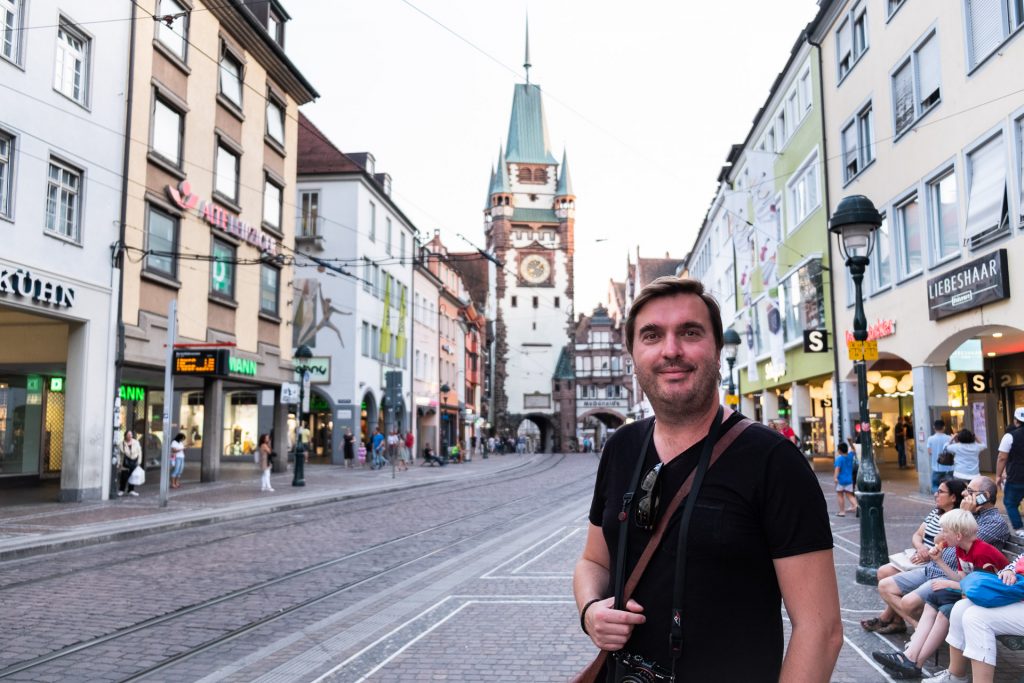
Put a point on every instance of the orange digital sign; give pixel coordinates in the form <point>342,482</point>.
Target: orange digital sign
<point>200,362</point>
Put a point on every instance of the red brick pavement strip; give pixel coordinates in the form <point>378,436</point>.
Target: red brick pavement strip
<point>34,526</point>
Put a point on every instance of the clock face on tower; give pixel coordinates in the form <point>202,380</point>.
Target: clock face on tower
<point>534,269</point>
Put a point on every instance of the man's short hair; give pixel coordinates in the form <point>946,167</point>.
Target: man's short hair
<point>959,521</point>
<point>939,425</point>
<point>843,448</point>
<point>669,285</point>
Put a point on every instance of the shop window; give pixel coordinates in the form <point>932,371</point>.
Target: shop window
<point>241,422</point>
<point>21,418</point>
<point>172,29</point>
<point>222,270</point>
<point>190,418</point>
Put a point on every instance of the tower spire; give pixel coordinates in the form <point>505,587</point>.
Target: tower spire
<point>526,63</point>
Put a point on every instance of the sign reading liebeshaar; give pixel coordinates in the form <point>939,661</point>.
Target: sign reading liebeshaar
<point>972,284</point>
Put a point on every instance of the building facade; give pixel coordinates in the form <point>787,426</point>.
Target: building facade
<point>928,125</point>
<point>426,342</point>
<point>529,227</point>
<point>62,141</point>
<point>355,312</point>
<point>602,384</point>
<point>208,224</point>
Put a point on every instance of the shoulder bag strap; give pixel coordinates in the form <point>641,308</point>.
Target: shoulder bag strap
<point>627,498</point>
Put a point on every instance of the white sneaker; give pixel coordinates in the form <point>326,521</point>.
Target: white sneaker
<point>944,677</point>
<point>120,493</point>
<point>1019,533</point>
<point>270,489</point>
<point>132,493</point>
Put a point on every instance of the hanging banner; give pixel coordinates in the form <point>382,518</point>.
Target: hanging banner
<point>761,167</point>
<point>776,344</point>
<point>752,374</point>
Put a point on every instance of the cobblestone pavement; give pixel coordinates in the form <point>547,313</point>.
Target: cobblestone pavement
<point>466,579</point>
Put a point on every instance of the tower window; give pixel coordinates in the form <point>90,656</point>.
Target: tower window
<point>536,302</point>
<point>558,302</point>
<point>515,301</point>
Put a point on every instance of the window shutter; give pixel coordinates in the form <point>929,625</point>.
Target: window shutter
<point>987,179</point>
<point>985,27</point>
<point>928,72</point>
<point>903,97</point>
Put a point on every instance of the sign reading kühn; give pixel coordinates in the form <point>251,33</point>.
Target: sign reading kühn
<point>972,284</point>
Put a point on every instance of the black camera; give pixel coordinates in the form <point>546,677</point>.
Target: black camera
<point>635,669</point>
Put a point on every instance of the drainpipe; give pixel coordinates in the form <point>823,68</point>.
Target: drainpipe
<point>837,416</point>
<point>119,251</point>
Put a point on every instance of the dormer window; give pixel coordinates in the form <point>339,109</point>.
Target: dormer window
<point>275,26</point>
<point>534,175</point>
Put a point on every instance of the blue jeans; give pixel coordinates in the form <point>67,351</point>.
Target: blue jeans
<point>1012,495</point>
<point>937,478</point>
<point>901,453</point>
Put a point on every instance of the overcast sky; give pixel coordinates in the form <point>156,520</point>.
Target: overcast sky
<point>646,96</point>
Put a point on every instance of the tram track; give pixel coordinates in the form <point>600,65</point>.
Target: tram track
<point>182,613</point>
<point>427,491</point>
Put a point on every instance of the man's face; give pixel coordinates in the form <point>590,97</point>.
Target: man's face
<point>674,355</point>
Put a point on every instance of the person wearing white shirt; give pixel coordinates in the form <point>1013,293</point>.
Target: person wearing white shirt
<point>966,451</point>
<point>936,442</point>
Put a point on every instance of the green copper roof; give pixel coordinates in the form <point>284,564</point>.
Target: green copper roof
<point>534,215</point>
<point>487,202</point>
<point>564,188</point>
<point>564,368</point>
<point>499,180</point>
<point>528,130</point>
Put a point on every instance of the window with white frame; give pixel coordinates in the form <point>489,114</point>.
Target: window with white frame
<point>172,29</point>
<point>366,339</point>
<point>10,28</point>
<point>891,6</point>
<point>71,68</point>
<point>167,130</point>
<point>388,235</point>
<point>401,246</point>
<point>857,141</point>
<point>309,225</point>
<point>230,77</point>
<point>226,173</point>
<point>851,39</point>
<point>270,286</point>
<point>781,131</point>
<point>1019,125</point>
<point>801,302</point>
<point>987,210</point>
<point>989,23</point>
<point>908,236</point>
<point>6,173</point>
<point>373,222</point>
<point>803,194</point>
<point>275,120</point>
<point>272,195</point>
<point>161,242</point>
<point>943,216</point>
<point>367,276</point>
<point>881,259</point>
<point>776,210</point>
<point>916,84</point>
<point>806,97</point>
<point>63,200</point>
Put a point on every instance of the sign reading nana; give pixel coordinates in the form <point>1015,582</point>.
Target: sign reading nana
<point>21,282</point>
<point>972,284</point>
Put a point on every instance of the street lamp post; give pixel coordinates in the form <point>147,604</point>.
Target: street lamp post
<point>731,346</point>
<point>445,422</point>
<point>855,220</point>
<point>302,354</point>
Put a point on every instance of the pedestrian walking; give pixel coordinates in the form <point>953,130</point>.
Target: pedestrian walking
<point>177,459</point>
<point>1010,471</point>
<point>302,436</point>
<point>410,447</point>
<point>935,444</point>
<point>131,457</point>
<point>378,449</point>
<point>843,478</point>
<point>348,447</point>
<point>753,499</point>
<point>899,438</point>
<point>266,461</point>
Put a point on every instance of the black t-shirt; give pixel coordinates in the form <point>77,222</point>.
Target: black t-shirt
<point>760,501</point>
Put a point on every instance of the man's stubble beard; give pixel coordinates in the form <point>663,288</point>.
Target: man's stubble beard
<point>693,403</point>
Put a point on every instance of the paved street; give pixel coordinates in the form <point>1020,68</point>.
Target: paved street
<point>464,575</point>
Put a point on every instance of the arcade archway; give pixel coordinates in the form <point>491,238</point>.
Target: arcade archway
<point>538,431</point>
<point>595,426</point>
<point>367,416</point>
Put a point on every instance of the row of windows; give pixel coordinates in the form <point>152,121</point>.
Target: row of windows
<point>514,302</point>
<point>162,239</point>
<point>371,346</point>
<point>794,109</point>
<point>592,391</point>
<point>389,233</point>
<point>538,235</point>
<point>63,191</point>
<point>425,367</point>
<point>586,363</point>
<point>379,282</point>
<point>801,307</point>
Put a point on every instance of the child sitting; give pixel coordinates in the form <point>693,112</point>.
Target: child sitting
<point>960,529</point>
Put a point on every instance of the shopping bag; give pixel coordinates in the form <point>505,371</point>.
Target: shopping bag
<point>988,590</point>
<point>137,477</point>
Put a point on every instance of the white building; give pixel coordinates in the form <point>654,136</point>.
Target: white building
<point>62,142</point>
<point>426,291</point>
<point>354,313</point>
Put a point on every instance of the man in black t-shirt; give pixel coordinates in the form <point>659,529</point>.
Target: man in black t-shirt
<point>759,534</point>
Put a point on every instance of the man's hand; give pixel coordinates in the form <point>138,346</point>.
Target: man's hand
<point>921,556</point>
<point>610,628</point>
<point>939,584</point>
<point>968,503</point>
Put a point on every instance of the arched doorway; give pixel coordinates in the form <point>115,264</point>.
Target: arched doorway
<point>595,426</point>
<point>321,426</point>
<point>367,416</point>
<point>536,434</point>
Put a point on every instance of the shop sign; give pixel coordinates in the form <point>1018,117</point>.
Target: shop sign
<point>56,385</point>
<point>318,367</point>
<point>205,362</point>
<point>217,217</point>
<point>979,383</point>
<point>289,393</point>
<point>588,403</point>
<point>241,366</point>
<point>22,283</point>
<point>127,392</point>
<point>975,283</point>
<point>880,329</point>
<point>815,341</point>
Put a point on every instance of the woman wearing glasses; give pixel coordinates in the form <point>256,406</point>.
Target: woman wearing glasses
<point>948,497</point>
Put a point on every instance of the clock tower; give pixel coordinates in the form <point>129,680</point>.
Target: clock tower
<point>529,220</point>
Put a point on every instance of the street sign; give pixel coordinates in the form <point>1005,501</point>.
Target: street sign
<point>867,350</point>
<point>305,391</point>
<point>732,400</point>
<point>815,341</point>
<point>211,362</point>
<point>289,393</point>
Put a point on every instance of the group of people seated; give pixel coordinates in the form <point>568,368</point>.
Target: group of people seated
<point>963,533</point>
